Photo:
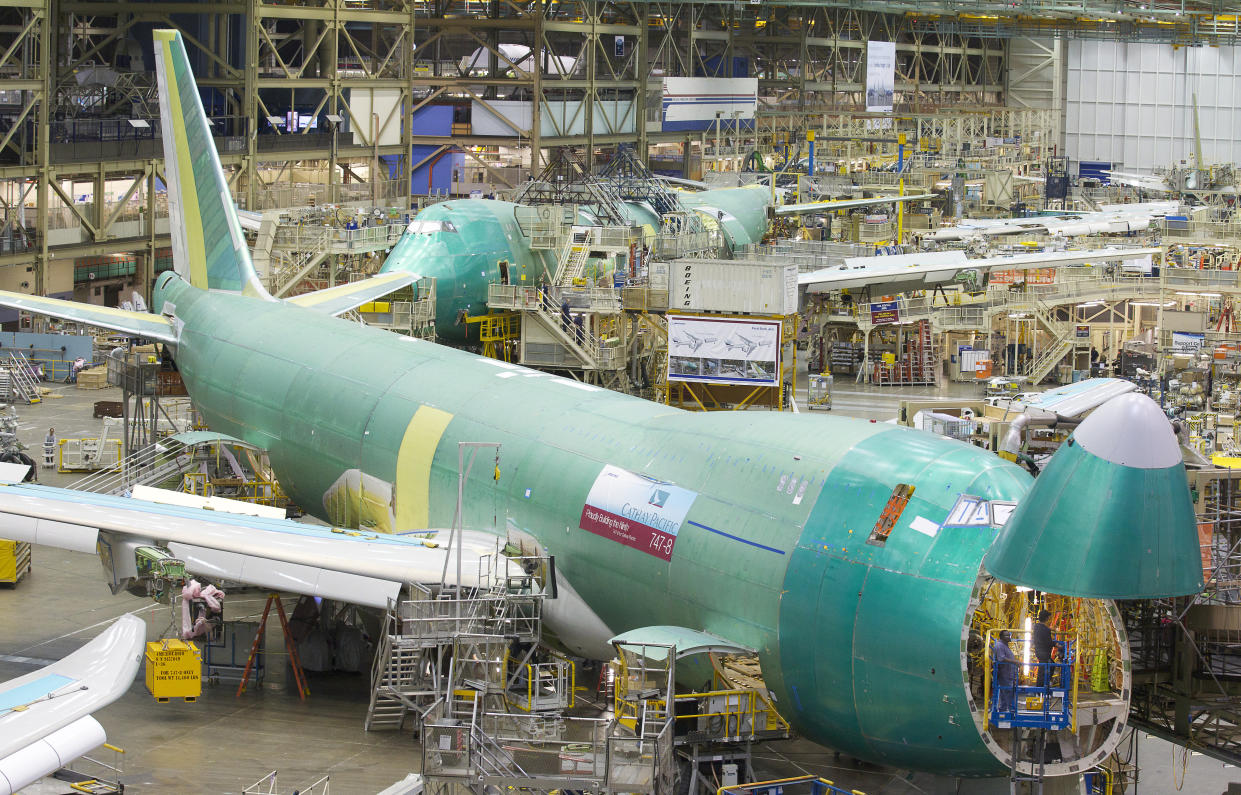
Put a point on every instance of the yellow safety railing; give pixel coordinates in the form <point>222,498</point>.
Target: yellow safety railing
<point>743,713</point>
<point>494,330</point>
<point>816,785</point>
<point>258,492</point>
<point>113,464</point>
<point>628,710</point>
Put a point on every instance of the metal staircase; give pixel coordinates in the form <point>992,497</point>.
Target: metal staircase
<point>433,647</point>
<point>1063,340</point>
<point>566,181</point>
<point>574,256</point>
<point>584,347</point>
<point>397,682</point>
<point>22,385</point>
<point>294,253</point>
<point>634,182</point>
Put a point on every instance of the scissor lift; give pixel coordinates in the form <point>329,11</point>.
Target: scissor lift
<point>1043,699</point>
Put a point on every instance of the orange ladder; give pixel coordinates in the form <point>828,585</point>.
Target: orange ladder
<point>294,661</point>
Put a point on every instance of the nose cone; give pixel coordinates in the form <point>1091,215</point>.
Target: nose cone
<point>1130,431</point>
<point>1110,516</point>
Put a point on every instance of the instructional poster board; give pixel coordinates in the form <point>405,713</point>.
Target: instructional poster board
<point>880,76</point>
<point>724,350</point>
<point>1187,342</point>
<point>884,312</point>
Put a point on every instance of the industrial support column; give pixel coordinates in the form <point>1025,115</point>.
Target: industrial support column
<point>642,78</point>
<point>591,95</point>
<point>43,154</point>
<point>536,111</point>
<point>250,99</point>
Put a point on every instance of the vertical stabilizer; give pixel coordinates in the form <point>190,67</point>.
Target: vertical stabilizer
<point>209,249</point>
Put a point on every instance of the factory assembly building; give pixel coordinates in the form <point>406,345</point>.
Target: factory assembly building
<point>626,399</point>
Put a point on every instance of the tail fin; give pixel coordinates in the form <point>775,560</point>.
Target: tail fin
<point>209,249</point>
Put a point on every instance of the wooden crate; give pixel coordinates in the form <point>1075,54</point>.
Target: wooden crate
<point>94,378</point>
<point>14,561</point>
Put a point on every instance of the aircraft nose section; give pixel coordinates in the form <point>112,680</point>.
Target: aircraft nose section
<point>1110,516</point>
<point>1130,430</point>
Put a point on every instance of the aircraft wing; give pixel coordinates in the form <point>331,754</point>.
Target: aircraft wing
<point>143,324</point>
<point>359,567</point>
<point>250,220</point>
<point>692,183</point>
<point>1111,218</point>
<point>1144,181</point>
<point>900,272</point>
<point>845,204</point>
<point>342,298</point>
<point>687,641</point>
<point>1074,400</point>
<point>45,720</point>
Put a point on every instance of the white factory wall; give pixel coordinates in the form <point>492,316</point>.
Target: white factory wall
<point>1132,104</point>
<point>559,118</point>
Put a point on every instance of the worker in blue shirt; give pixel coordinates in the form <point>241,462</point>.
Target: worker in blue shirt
<point>1006,672</point>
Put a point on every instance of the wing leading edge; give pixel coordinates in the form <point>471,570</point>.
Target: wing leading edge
<point>143,324</point>
<point>359,567</point>
<point>342,298</point>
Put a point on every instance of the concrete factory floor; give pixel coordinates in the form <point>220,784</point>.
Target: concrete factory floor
<point>221,743</point>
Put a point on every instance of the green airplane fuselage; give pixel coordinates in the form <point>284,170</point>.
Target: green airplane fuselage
<point>860,644</point>
<point>462,242</point>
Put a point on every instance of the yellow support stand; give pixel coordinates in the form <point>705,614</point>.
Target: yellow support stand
<point>495,331</point>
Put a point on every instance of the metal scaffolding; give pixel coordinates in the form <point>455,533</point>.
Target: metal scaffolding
<point>1187,651</point>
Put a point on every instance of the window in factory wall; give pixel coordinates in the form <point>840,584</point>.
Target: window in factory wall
<point>891,513</point>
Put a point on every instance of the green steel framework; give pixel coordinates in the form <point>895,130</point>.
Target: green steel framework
<point>250,50</point>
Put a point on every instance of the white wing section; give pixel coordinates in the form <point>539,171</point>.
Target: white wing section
<point>280,575</point>
<point>900,272</point>
<point>49,754</point>
<point>845,204</point>
<point>359,567</point>
<point>1074,400</point>
<point>1111,219</point>
<point>45,716</point>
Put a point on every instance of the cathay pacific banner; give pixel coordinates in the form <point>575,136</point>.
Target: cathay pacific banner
<point>880,75</point>
<point>636,511</point>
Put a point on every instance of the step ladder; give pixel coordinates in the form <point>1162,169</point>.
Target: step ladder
<point>299,677</point>
<point>96,787</point>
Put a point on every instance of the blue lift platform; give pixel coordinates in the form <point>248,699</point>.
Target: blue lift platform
<point>1046,700</point>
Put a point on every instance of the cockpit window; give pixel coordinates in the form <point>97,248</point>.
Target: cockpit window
<point>891,513</point>
<point>417,227</point>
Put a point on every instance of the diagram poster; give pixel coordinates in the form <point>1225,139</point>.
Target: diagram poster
<point>880,75</point>
<point>724,350</point>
